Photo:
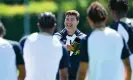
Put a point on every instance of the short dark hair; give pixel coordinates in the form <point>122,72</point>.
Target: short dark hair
<point>2,29</point>
<point>46,20</point>
<point>118,5</point>
<point>96,12</point>
<point>73,12</point>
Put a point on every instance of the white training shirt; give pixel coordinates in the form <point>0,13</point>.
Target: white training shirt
<point>8,69</point>
<point>42,55</point>
<point>105,50</point>
<point>124,31</point>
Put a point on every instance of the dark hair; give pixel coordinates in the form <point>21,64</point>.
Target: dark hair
<point>46,20</point>
<point>2,29</point>
<point>73,12</point>
<point>118,5</point>
<point>96,12</point>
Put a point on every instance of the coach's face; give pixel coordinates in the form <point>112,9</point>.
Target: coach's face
<point>71,23</point>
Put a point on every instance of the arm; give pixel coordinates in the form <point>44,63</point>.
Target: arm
<point>22,72</point>
<point>82,70</point>
<point>84,59</point>
<point>63,71</point>
<point>128,70</point>
<point>126,61</point>
<point>22,42</point>
<point>19,61</point>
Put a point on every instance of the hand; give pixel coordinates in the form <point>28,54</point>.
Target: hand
<point>70,48</point>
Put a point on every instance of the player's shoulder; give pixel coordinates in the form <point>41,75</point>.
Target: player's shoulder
<point>62,32</point>
<point>30,39</point>
<point>118,24</point>
<point>33,36</point>
<point>4,42</point>
<point>109,30</point>
<point>113,34</point>
<point>23,38</point>
<point>85,38</point>
<point>130,22</point>
<point>15,44</point>
<point>80,34</point>
<point>127,20</point>
<point>9,45</point>
<point>56,41</point>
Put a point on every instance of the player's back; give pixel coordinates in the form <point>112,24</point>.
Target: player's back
<point>8,69</point>
<point>105,50</point>
<point>42,54</point>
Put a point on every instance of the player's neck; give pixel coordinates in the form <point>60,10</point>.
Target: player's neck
<point>121,17</point>
<point>99,25</point>
<point>71,32</point>
<point>46,31</point>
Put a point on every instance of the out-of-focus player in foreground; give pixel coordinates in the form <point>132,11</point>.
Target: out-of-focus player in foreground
<point>103,51</point>
<point>10,58</point>
<point>43,53</point>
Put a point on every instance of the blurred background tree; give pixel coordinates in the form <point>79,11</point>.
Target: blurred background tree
<point>13,13</point>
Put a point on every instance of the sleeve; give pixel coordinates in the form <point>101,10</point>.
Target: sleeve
<point>84,51</point>
<point>130,41</point>
<point>125,51</point>
<point>22,42</point>
<point>82,36</point>
<point>57,35</point>
<point>123,30</point>
<point>18,52</point>
<point>64,60</point>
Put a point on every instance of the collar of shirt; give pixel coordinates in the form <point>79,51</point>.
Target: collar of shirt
<point>76,32</point>
<point>44,33</point>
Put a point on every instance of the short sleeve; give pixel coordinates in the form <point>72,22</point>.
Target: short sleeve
<point>64,59</point>
<point>125,51</point>
<point>22,41</point>
<point>18,52</point>
<point>83,50</point>
<point>57,35</point>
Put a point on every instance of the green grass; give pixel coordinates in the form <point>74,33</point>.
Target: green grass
<point>33,8</point>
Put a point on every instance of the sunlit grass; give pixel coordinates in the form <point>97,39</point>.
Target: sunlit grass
<point>16,9</point>
<point>67,5</point>
<point>3,9</point>
<point>50,5</point>
<point>33,8</point>
<point>38,7</point>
